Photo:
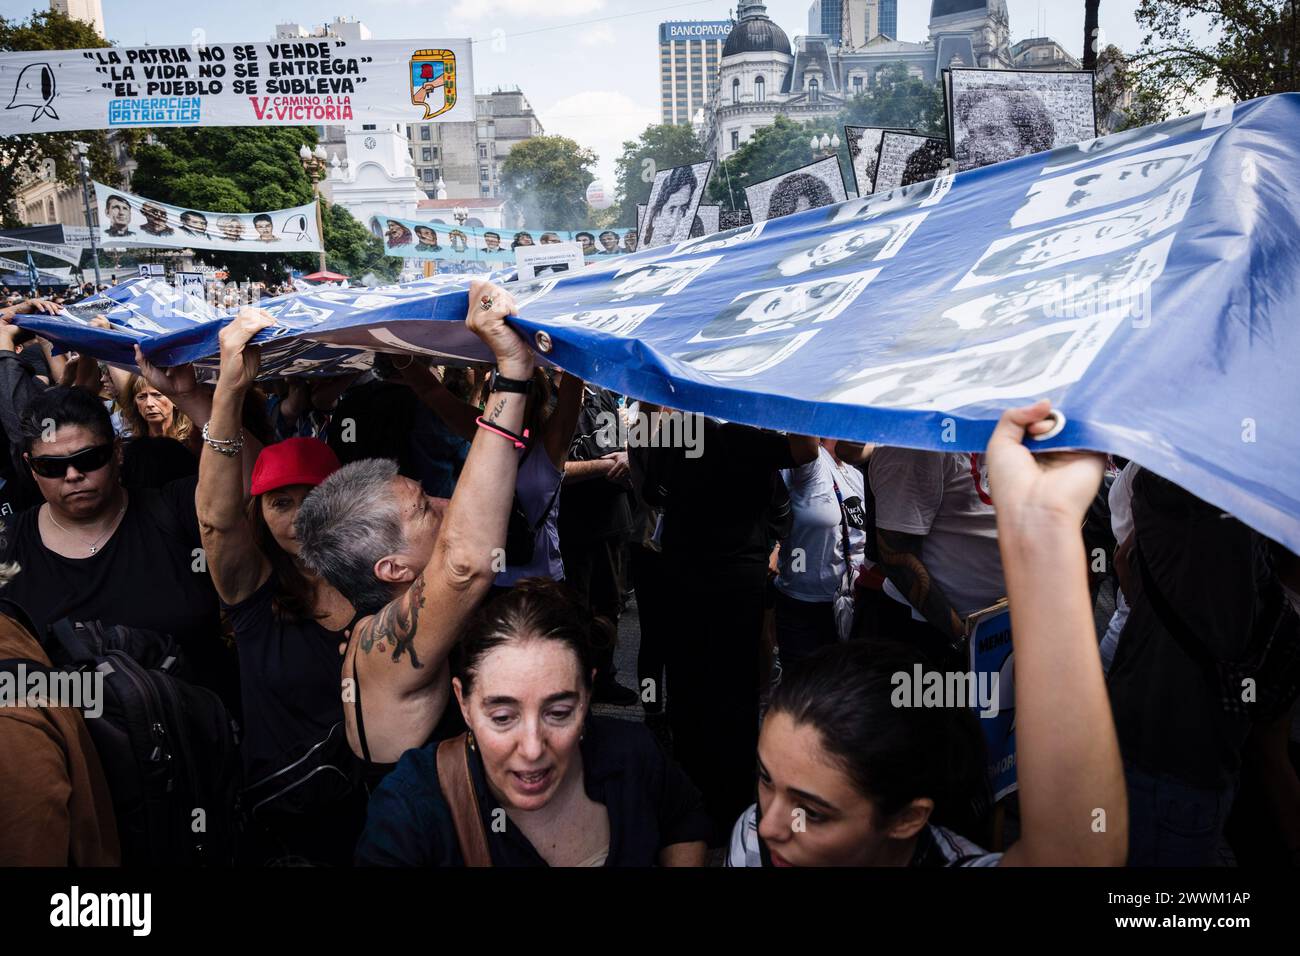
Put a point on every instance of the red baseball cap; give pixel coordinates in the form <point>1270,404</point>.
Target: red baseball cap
<point>297,461</point>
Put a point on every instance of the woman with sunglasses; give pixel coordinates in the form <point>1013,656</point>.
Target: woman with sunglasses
<point>852,774</point>
<point>95,551</point>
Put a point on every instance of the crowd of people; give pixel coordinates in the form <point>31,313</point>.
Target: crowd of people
<point>404,589</point>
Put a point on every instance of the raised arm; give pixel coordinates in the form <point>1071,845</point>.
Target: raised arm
<point>457,415</point>
<point>560,426</point>
<point>1073,804</point>
<point>428,618</point>
<point>237,565</point>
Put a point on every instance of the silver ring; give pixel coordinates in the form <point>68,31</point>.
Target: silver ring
<point>543,342</point>
<point>1058,426</point>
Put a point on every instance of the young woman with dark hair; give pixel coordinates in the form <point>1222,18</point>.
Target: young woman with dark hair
<point>850,776</point>
<point>536,781</point>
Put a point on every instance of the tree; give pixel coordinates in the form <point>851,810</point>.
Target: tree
<point>26,154</point>
<point>771,151</point>
<point>252,169</point>
<point>1249,50</point>
<point>659,147</point>
<point>546,179</point>
<point>901,101</point>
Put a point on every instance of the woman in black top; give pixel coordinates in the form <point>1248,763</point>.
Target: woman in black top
<point>553,786</point>
<point>854,771</point>
<point>288,623</point>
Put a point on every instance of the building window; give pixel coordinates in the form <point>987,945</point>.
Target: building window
<point>485,190</point>
<point>424,133</point>
<point>735,140</point>
<point>735,91</point>
<point>857,84</point>
<point>483,174</point>
<point>368,126</point>
<point>426,154</point>
<point>760,90</point>
<point>814,91</point>
<point>435,152</point>
<point>482,151</point>
<point>428,175</point>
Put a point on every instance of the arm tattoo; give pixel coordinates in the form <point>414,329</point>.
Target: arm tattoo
<point>497,410</point>
<point>395,625</point>
<point>900,558</point>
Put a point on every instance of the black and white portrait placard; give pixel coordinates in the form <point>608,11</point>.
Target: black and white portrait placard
<point>907,159</point>
<point>708,218</point>
<point>997,115</point>
<point>818,184</point>
<point>864,150</point>
<point>674,200</point>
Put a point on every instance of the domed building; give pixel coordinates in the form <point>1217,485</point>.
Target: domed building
<point>762,74</point>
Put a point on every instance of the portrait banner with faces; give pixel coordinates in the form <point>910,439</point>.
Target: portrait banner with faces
<point>313,81</point>
<point>811,187</point>
<point>127,220</point>
<point>493,248</point>
<point>907,159</point>
<point>864,150</point>
<point>675,196</point>
<point>1143,282</point>
<point>997,115</point>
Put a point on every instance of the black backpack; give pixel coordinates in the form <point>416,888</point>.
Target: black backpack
<point>169,749</point>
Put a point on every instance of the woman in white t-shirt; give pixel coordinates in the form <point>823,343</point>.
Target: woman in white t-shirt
<point>856,768</point>
<point>826,501</point>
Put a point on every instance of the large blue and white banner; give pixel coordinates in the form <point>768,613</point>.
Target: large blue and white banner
<point>1146,282</point>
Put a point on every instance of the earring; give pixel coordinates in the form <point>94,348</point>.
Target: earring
<point>470,735</point>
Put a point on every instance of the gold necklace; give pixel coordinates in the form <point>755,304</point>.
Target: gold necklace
<point>94,547</point>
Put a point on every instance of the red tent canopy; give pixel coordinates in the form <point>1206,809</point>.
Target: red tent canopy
<point>324,277</point>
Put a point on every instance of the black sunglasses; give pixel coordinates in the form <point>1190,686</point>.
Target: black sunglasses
<point>85,461</point>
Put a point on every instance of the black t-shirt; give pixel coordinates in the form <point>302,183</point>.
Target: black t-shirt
<point>717,504</point>
<point>289,682</point>
<point>595,508</point>
<point>651,805</point>
<point>1213,571</point>
<point>143,576</point>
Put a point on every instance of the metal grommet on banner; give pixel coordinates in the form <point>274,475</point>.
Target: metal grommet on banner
<point>543,342</point>
<point>1058,426</point>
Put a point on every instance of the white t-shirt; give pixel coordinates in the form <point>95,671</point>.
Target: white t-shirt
<point>812,556</point>
<point>955,850</point>
<point>943,496</point>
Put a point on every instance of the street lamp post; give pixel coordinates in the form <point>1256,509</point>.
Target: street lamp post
<point>314,164</point>
<point>83,166</point>
<point>825,146</point>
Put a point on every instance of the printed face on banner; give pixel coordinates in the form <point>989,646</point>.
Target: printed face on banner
<point>998,115</point>
<point>709,243</point>
<point>813,186</point>
<point>660,278</point>
<point>863,244</point>
<point>412,239</point>
<point>786,307</point>
<point>308,81</point>
<point>674,199</point>
<point>1104,184</point>
<point>129,220</point>
<point>745,359</point>
<point>906,160</point>
<point>1097,235</point>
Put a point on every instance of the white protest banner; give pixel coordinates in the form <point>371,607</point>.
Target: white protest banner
<point>550,259</point>
<point>278,83</point>
<point>191,283</point>
<point>64,251</point>
<point>127,220</point>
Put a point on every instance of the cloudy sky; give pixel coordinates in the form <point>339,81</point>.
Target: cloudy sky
<point>589,67</point>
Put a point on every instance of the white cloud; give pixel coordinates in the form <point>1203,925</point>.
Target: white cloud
<point>482,9</point>
<point>600,120</point>
<point>602,34</point>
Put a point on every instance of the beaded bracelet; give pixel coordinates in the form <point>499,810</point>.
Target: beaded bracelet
<point>230,447</point>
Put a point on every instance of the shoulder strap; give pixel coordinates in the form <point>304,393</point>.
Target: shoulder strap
<point>356,704</point>
<point>458,789</point>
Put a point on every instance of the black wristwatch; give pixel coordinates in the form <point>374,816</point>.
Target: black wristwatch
<point>521,386</point>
